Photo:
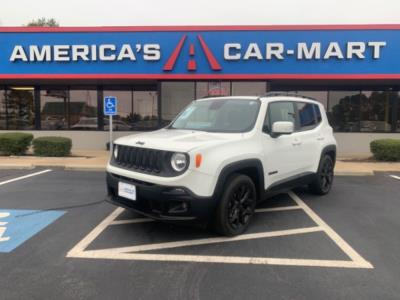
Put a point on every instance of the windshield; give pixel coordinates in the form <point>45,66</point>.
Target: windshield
<point>219,115</point>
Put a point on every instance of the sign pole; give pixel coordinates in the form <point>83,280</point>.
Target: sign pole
<point>111,133</point>
<point>110,109</point>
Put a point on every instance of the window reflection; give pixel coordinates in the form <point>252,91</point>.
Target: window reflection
<point>3,110</point>
<point>396,103</point>
<point>175,96</point>
<point>376,111</point>
<point>248,88</point>
<point>137,110</point>
<point>145,110</point>
<point>320,96</point>
<point>83,109</point>
<point>20,108</point>
<point>344,110</point>
<point>53,107</point>
<point>212,89</point>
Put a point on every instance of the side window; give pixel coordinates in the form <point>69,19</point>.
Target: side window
<point>318,113</point>
<point>306,115</point>
<point>278,111</point>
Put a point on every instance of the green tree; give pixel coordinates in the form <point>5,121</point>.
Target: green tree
<point>43,22</point>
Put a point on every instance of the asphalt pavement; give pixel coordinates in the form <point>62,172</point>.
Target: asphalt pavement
<point>60,240</point>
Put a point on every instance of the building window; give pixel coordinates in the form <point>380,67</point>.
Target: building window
<point>137,110</point>
<point>3,110</point>
<point>249,88</point>
<point>122,121</point>
<point>344,111</point>
<point>212,89</point>
<point>83,109</point>
<point>376,111</point>
<point>145,110</point>
<point>20,108</point>
<point>175,96</point>
<point>396,107</point>
<point>320,96</point>
<point>53,109</point>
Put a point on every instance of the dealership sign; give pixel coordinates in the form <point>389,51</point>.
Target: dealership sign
<point>201,52</point>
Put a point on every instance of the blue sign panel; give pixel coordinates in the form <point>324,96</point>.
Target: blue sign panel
<point>110,106</point>
<point>202,53</point>
<point>17,226</point>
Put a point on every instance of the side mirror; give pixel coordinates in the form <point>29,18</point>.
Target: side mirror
<point>282,127</point>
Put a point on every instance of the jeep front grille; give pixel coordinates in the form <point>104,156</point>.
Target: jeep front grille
<point>140,159</point>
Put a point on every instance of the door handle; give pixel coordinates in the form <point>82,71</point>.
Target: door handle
<point>297,143</point>
<point>320,138</point>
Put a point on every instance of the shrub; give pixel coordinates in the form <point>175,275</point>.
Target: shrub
<point>386,149</point>
<point>52,146</point>
<point>15,143</point>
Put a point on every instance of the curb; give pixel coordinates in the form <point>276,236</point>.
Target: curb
<point>16,167</point>
<point>352,173</point>
<point>85,168</point>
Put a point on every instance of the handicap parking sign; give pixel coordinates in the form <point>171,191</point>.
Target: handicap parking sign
<point>110,106</point>
<point>17,226</point>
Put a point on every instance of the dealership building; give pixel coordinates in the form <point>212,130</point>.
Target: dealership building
<point>53,80</point>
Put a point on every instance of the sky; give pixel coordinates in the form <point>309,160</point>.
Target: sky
<point>201,12</point>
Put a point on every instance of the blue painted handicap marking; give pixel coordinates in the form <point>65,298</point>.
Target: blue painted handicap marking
<point>17,226</point>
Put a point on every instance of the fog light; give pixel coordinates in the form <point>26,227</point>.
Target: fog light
<point>178,207</point>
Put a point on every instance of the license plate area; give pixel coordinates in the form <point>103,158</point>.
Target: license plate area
<point>127,191</point>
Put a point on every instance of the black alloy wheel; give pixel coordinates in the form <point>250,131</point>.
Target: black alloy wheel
<point>240,206</point>
<point>324,178</point>
<point>236,207</point>
<point>326,175</point>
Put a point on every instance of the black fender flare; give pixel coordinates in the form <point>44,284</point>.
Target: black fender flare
<point>325,150</point>
<point>236,167</point>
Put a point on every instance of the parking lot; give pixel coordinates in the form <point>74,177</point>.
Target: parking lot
<point>59,239</point>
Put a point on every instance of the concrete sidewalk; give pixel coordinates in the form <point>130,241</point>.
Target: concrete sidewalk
<point>97,160</point>
<point>79,160</point>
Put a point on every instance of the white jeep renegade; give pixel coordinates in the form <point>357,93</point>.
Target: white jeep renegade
<point>221,156</point>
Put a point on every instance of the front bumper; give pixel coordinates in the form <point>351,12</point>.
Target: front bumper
<point>159,202</point>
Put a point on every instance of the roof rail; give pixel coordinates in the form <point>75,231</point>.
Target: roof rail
<point>288,94</point>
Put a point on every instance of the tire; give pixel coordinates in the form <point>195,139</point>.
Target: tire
<point>324,179</point>
<point>236,208</point>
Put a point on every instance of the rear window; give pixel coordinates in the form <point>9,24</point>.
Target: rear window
<point>318,113</point>
<point>307,118</point>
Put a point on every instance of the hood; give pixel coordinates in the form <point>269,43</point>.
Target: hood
<point>176,139</point>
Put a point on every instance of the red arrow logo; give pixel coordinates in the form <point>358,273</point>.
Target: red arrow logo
<point>191,65</point>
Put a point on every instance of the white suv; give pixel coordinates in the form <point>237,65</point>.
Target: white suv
<point>221,156</point>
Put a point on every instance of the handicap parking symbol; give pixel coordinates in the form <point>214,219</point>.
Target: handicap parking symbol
<point>110,106</point>
<point>3,228</point>
<point>17,226</point>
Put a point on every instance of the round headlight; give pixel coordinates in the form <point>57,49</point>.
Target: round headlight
<point>178,162</point>
<point>115,151</point>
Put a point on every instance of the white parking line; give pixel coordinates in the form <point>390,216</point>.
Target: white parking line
<point>131,252</point>
<point>259,210</point>
<point>346,248</point>
<point>25,176</point>
<point>197,242</point>
<point>395,177</point>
